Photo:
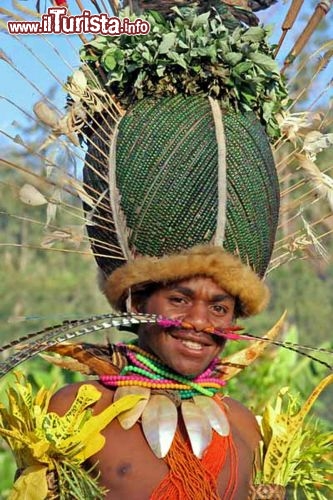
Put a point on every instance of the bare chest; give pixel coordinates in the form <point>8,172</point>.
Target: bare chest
<point>130,470</point>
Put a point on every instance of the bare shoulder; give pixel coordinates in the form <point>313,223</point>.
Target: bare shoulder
<point>62,400</point>
<point>243,421</point>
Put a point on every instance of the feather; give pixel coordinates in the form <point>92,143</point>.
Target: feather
<point>321,10</point>
<point>321,182</point>
<point>117,213</point>
<point>289,21</point>
<point>25,10</point>
<point>70,364</point>
<point>29,345</point>
<point>99,359</point>
<point>31,196</point>
<point>222,172</point>
<point>66,331</point>
<point>236,362</point>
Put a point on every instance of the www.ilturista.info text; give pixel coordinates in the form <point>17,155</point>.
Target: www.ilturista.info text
<point>56,21</point>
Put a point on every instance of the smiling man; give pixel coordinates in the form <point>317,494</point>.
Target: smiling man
<point>203,305</point>
<point>187,440</point>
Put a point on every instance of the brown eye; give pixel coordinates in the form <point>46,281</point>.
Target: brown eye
<point>177,300</point>
<point>219,309</point>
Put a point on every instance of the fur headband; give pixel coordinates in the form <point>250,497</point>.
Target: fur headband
<point>225,269</point>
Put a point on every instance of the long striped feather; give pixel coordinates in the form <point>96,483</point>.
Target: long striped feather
<point>68,330</point>
<point>32,344</point>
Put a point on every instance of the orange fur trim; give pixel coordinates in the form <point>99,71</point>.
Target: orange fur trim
<point>225,269</point>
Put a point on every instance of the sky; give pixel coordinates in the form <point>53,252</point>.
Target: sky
<point>57,53</point>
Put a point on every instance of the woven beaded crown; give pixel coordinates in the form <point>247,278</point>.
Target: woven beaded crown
<point>177,190</point>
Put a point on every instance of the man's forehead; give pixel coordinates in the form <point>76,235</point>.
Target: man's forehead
<point>193,284</point>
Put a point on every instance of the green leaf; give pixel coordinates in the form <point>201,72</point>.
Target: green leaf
<point>156,17</point>
<point>179,59</point>
<point>109,62</point>
<point>254,34</point>
<point>140,79</point>
<point>242,67</point>
<point>99,43</point>
<point>265,62</point>
<point>167,42</point>
<point>182,44</point>
<point>177,11</point>
<point>201,20</point>
<point>146,55</point>
<point>233,58</point>
<point>160,71</point>
<point>196,69</point>
<point>132,67</point>
<point>89,57</point>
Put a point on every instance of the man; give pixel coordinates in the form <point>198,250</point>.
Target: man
<point>127,465</point>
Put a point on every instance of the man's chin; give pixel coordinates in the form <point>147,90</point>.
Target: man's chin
<point>189,371</point>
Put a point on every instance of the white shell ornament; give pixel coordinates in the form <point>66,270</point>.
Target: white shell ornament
<point>197,426</point>
<point>128,418</point>
<point>216,416</point>
<point>159,424</point>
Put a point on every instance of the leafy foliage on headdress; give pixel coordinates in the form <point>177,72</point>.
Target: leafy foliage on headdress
<point>192,54</point>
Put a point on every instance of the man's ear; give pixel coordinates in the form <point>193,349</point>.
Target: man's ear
<point>133,304</point>
<point>135,309</point>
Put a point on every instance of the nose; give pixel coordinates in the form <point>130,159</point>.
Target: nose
<point>198,316</point>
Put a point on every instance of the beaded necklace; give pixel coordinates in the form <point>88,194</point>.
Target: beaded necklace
<point>146,370</point>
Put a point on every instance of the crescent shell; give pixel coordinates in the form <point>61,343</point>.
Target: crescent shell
<point>128,418</point>
<point>159,424</point>
<point>197,426</point>
<point>216,416</point>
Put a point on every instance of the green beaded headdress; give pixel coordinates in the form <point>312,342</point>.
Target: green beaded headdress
<point>184,168</point>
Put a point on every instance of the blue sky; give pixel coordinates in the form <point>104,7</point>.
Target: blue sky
<point>13,85</point>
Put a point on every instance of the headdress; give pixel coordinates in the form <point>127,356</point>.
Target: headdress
<point>186,166</point>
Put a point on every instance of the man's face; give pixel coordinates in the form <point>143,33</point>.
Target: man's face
<point>199,302</point>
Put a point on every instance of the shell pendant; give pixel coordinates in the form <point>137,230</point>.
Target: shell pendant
<point>159,424</point>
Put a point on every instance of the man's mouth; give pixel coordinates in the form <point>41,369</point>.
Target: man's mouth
<point>192,345</point>
<point>191,340</point>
